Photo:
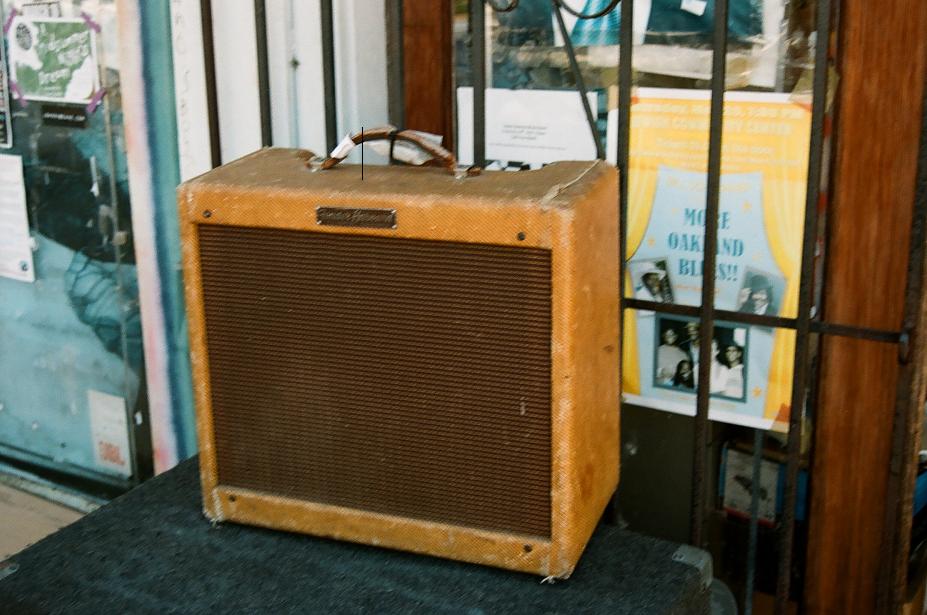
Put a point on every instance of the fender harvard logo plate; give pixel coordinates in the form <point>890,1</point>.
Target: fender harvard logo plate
<point>357,217</point>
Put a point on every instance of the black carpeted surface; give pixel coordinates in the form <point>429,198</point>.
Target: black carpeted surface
<point>152,551</point>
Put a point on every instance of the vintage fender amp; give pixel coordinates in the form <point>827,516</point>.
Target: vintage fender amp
<point>409,357</point>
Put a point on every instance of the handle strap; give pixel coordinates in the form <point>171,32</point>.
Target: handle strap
<point>441,156</point>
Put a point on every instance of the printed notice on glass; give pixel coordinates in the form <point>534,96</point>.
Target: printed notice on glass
<point>110,431</point>
<point>6,132</point>
<point>53,60</point>
<point>15,242</point>
<point>532,127</point>
<point>758,264</point>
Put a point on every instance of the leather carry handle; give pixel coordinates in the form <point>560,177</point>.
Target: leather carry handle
<point>441,156</point>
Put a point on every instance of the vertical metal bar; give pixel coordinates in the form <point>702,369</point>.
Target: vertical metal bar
<point>292,83</point>
<point>625,73</point>
<point>260,29</point>
<point>478,70</point>
<point>328,74</point>
<point>706,324</point>
<point>899,511</point>
<point>395,63</point>
<point>580,82</point>
<point>212,97</point>
<point>754,519</point>
<point>805,299</point>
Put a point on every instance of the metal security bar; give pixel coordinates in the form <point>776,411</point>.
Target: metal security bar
<point>328,74</point>
<point>212,97</point>
<point>762,320</point>
<point>260,31</point>
<point>805,299</point>
<point>478,68</point>
<point>707,313</point>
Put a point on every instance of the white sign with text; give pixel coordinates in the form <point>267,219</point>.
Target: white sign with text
<point>15,241</point>
<point>528,126</point>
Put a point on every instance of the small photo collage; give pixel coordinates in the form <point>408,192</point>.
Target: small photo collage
<point>676,359</point>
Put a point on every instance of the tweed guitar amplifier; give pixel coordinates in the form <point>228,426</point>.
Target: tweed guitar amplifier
<point>419,359</point>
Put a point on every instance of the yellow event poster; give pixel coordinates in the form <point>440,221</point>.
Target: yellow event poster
<point>763,184</point>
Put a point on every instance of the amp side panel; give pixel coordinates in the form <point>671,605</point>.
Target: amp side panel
<point>187,199</point>
<point>597,343</point>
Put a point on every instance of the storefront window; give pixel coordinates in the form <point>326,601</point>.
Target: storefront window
<point>71,367</point>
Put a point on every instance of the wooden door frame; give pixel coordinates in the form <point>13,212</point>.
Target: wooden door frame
<point>881,61</point>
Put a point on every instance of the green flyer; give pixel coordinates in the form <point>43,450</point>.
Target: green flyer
<point>53,59</point>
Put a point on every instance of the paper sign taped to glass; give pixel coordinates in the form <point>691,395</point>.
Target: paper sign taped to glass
<point>15,239</point>
<point>53,59</point>
<point>762,200</point>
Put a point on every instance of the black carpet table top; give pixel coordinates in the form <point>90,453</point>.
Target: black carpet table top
<point>152,551</point>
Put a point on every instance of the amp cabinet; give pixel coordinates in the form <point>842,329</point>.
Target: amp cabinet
<point>407,357</point>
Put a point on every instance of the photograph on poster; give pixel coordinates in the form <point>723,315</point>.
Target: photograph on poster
<point>651,280</point>
<point>760,293</point>
<point>676,359</point>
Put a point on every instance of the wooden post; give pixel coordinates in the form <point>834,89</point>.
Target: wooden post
<point>878,125</point>
<point>428,53</point>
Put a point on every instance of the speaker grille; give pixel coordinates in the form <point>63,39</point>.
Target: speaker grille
<point>400,376</point>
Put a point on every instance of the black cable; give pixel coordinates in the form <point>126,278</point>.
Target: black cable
<point>511,6</point>
<point>580,15</point>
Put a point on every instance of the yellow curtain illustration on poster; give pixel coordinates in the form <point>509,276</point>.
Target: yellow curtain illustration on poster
<point>763,185</point>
